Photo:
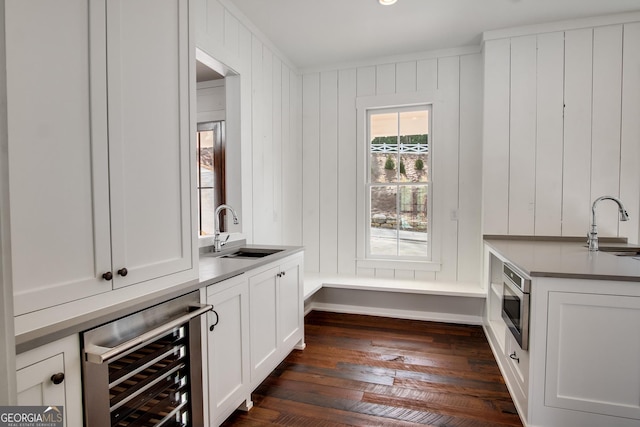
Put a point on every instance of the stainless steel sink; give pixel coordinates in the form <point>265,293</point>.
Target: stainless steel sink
<point>251,253</point>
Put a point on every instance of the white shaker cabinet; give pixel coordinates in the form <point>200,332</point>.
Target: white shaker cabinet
<point>257,319</point>
<point>593,356</point>
<point>99,143</point>
<point>277,318</point>
<point>228,347</point>
<point>50,376</point>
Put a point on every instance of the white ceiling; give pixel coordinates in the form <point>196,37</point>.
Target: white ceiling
<point>317,33</point>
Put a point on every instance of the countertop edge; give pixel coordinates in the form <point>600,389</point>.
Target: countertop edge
<point>500,245</point>
<point>37,337</point>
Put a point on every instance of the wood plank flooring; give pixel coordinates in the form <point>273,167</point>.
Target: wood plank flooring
<point>373,371</point>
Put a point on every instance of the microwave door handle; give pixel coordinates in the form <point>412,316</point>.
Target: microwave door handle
<point>99,355</point>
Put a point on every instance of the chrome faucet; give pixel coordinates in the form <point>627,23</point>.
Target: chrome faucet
<point>593,234</point>
<point>217,243</point>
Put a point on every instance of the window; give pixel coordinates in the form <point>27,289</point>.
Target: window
<point>398,183</point>
<point>211,173</point>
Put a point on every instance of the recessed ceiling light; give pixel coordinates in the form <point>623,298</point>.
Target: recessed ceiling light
<point>387,2</point>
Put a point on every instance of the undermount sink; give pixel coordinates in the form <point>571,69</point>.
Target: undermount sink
<point>251,253</point>
<point>630,251</point>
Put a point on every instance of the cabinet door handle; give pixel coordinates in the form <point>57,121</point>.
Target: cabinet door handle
<point>107,276</point>
<point>57,378</point>
<point>213,325</point>
<point>279,275</point>
<point>283,273</point>
<point>514,357</point>
<point>123,272</point>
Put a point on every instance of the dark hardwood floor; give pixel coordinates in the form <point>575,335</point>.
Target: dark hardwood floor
<point>373,371</point>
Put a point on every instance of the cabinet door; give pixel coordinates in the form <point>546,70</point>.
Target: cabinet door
<point>35,385</point>
<point>228,350</point>
<point>264,323</point>
<point>148,55</point>
<point>57,152</point>
<point>290,305</point>
<point>593,354</point>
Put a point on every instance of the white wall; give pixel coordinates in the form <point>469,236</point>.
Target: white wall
<point>210,101</point>
<point>561,128</point>
<point>332,137</point>
<point>270,96</point>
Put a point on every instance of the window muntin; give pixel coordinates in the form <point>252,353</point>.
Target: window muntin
<point>398,183</point>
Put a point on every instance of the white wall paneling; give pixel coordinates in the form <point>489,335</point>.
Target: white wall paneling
<point>630,148</point>
<point>347,161</point>
<point>549,134</point>
<point>576,185</point>
<point>270,157</point>
<point>330,99</point>
<point>605,126</point>
<point>406,77</point>
<point>276,152</point>
<point>211,101</point>
<point>444,149</point>
<point>522,135</point>
<point>311,168</point>
<point>328,178</point>
<point>470,154</point>
<point>557,108</point>
<point>246,126</point>
<point>427,75</point>
<point>495,159</point>
<point>385,79</point>
<point>292,166</point>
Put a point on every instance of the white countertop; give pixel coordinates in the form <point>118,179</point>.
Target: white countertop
<point>566,259</point>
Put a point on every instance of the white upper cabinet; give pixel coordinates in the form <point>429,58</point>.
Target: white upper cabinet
<point>148,110</point>
<point>99,139</point>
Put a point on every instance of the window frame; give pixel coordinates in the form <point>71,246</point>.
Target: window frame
<point>369,267</point>
<point>368,184</point>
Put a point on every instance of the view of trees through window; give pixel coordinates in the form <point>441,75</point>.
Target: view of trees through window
<point>398,182</point>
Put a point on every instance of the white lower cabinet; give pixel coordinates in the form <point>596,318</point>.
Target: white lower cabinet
<point>257,319</point>
<point>582,368</point>
<point>593,355</point>
<point>50,376</point>
<point>277,315</point>
<point>228,347</point>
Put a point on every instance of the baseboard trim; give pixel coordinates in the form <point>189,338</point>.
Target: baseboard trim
<point>396,313</point>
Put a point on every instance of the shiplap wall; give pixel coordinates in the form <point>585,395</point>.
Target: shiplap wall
<point>331,135</point>
<point>561,128</point>
<point>270,158</point>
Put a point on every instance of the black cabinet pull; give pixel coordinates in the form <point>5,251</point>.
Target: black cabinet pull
<point>514,357</point>
<point>213,325</point>
<point>107,276</point>
<point>57,378</point>
<point>123,272</point>
<point>284,272</point>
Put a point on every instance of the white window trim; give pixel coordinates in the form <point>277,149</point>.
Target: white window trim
<point>363,104</point>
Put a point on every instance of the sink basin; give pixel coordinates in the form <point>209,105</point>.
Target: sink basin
<point>630,251</point>
<point>251,253</point>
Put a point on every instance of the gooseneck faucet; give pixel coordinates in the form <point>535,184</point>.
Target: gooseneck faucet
<point>593,234</point>
<point>217,243</point>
